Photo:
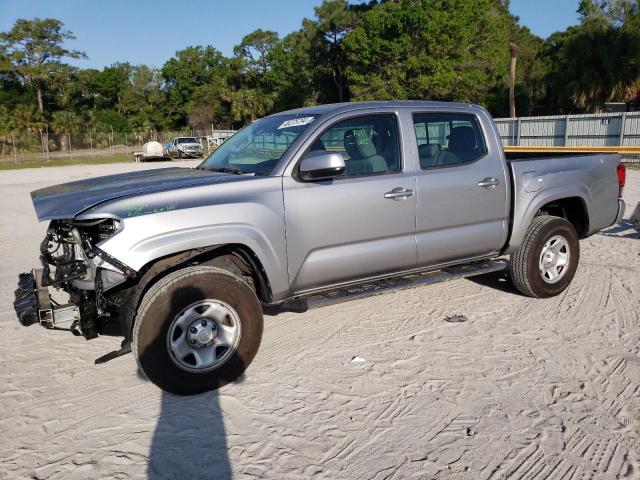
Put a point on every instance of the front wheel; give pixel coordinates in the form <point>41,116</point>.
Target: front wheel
<point>197,330</point>
<point>547,259</point>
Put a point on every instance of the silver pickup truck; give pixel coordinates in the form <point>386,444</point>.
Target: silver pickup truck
<point>181,262</point>
<point>184,147</point>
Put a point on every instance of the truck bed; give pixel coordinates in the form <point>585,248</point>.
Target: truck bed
<point>539,178</point>
<point>543,155</point>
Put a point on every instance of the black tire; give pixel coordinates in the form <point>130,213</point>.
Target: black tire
<point>180,154</point>
<point>170,296</point>
<point>525,271</point>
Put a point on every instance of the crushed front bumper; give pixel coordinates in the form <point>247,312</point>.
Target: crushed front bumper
<point>33,305</point>
<point>26,301</point>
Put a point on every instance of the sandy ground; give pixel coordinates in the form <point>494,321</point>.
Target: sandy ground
<point>524,389</point>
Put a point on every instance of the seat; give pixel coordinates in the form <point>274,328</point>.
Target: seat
<point>428,153</point>
<point>462,142</point>
<point>363,156</point>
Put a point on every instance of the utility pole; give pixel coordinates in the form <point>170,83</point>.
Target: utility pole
<point>512,80</point>
<point>44,136</point>
<point>13,141</point>
<point>113,147</point>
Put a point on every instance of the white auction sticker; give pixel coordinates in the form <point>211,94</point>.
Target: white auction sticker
<point>296,122</point>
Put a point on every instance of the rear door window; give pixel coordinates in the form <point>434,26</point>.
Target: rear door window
<point>448,139</point>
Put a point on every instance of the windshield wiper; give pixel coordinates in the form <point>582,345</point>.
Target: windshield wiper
<point>234,171</point>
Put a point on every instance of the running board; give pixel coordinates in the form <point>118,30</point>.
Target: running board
<point>378,287</point>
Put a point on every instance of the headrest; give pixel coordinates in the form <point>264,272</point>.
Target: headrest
<point>428,150</point>
<point>358,144</point>
<point>462,138</point>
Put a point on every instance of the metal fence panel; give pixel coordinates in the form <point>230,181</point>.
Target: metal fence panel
<point>595,130</point>
<point>631,130</point>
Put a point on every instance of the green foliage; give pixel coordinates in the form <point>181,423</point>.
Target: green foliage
<point>190,70</point>
<point>143,99</point>
<point>335,20</point>
<point>106,119</point>
<point>32,51</point>
<point>597,61</point>
<point>291,78</point>
<point>254,50</point>
<point>61,162</point>
<point>379,50</point>
<point>428,49</point>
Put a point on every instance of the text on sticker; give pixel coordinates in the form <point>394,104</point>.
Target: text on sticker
<point>296,122</point>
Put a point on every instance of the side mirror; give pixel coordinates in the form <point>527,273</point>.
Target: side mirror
<point>321,165</point>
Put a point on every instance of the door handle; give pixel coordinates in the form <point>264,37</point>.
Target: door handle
<point>398,192</point>
<point>488,182</point>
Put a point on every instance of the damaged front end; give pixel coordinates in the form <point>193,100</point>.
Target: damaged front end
<point>72,263</point>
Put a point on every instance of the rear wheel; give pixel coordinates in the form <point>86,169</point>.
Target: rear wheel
<point>197,330</point>
<point>546,261</point>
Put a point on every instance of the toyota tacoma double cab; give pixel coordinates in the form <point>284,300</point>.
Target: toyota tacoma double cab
<point>182,261</point>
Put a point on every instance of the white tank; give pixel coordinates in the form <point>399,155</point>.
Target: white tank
<point>152,150</point>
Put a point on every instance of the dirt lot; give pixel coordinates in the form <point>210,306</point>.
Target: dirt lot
<point>523,389</point>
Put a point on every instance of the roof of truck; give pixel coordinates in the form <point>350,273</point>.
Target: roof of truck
<point>333,108</point>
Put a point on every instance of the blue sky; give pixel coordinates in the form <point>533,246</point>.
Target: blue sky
<point>150,32</point>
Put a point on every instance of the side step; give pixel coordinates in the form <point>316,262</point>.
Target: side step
<point>385,285</point>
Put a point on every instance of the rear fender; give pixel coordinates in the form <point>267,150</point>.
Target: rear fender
<point>527,205</point>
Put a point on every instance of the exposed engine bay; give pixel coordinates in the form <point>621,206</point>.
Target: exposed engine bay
<point>73,263</point>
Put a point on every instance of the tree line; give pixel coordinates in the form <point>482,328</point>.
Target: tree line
<point>452,50</point>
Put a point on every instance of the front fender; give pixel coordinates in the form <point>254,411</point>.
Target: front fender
<point>147,238</point>
<point>251,215</point>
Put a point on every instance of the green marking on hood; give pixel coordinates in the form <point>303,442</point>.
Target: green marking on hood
<point>134,210</point>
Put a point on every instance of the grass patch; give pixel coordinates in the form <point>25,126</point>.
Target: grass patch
<point>61,162</point>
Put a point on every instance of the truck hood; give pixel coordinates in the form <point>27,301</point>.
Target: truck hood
<point>67,200</point>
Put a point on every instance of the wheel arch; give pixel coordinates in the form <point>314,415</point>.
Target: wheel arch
<point>245,260</point>
<point>573,206</point>
<point>573,209</point>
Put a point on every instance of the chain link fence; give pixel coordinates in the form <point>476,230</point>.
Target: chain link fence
<point>24,146</point>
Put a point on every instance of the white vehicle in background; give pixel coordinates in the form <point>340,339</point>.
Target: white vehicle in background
<point>185,147</point>
<point>151,151</point>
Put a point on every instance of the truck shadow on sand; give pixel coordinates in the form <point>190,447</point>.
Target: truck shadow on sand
<point>189,439</point>
<point>498,281</point>
<point>622,229</point>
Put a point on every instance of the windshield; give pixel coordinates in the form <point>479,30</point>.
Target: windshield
<point>257,148</point>
<point>187,140</point>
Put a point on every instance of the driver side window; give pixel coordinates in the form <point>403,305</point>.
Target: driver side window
<point>369,144</point>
